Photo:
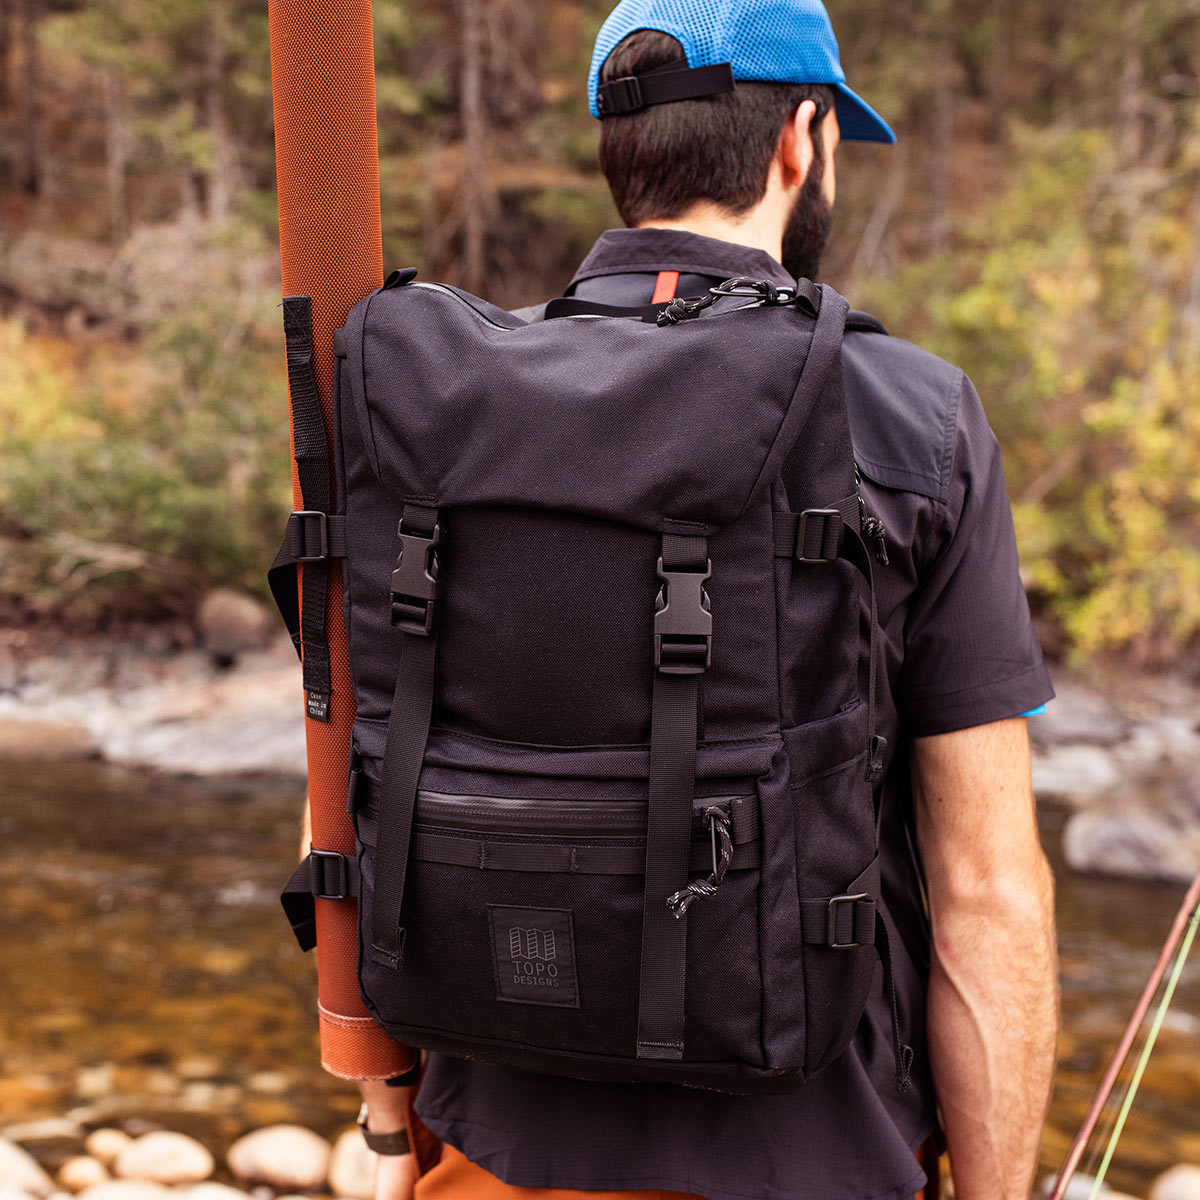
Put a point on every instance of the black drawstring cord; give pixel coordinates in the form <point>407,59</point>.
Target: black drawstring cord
<point>722,845</point>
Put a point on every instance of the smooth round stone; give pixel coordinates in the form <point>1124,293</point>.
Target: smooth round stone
<point>106,1144</point>
<point>164,1157</point>
<point>1179,1183</point>
<point>81,1172</point>
<point>217,1191</point>
<point>126,1189</point>
<point>284,1156</point>
<point>352,1167</point>
<point>22,1172</point>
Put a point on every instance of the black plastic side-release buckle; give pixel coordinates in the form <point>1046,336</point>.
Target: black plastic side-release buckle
<point>819,534</point>
<point>415,588</point>
<point>308,535</point>
<point>328,875</point>
<point>683,622</point>
<point>620,96</point>
<point>831,929</point>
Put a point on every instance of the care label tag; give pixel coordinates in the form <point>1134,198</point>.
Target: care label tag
<point>533,952</point>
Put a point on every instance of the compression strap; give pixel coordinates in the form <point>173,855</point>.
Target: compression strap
<point>675,81</point>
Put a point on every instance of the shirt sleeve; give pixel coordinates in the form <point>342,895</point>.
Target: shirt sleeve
<point>971,653</point>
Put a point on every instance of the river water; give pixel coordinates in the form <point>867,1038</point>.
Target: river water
<point>148,975</point>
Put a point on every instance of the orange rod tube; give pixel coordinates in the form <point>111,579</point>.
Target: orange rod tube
<point>327,158</point>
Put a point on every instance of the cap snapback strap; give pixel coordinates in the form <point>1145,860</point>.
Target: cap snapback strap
<point>675,81</point>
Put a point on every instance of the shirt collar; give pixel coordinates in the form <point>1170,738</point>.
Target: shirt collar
<point>624,251</point>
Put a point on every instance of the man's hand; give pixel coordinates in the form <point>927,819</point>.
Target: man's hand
<point>993,990</point>
<point>395,1174</point>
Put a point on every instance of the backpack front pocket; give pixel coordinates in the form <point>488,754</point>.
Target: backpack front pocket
<point>523,921</point>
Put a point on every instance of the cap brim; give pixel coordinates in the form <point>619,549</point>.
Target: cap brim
<point>857,120</point>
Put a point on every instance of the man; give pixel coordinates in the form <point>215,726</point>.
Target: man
<point>715,183</point>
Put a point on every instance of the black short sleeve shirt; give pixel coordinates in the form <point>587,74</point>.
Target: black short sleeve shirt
<point>958,650</point>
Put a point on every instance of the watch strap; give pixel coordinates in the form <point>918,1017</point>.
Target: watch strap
<point>387,1143</point>
<point>395,1142</point>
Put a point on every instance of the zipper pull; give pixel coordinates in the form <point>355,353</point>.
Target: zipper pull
<point>874,531</point>
<point>722,856</point>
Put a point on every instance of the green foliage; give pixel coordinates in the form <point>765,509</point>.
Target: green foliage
<point>1038,224</point>
<point>1074,304</point>
<point>159,474</point>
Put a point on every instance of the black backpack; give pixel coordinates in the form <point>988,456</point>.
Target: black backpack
<point>611,630</point>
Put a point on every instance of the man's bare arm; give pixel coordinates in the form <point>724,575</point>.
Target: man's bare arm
<point>993,991</point>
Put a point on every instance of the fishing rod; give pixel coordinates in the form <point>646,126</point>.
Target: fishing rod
<point>327,158</point>
<point>1183,930</point>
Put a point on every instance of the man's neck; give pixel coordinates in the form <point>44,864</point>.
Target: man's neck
<point>751,229</point>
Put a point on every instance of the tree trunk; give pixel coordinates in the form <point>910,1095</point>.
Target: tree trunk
<point>941,140</point>
<point>220,183</point>
<point>116,152</point>
<point>29,176</point>
<point>1130,104</point>
<point>6,39</point>
<point>474,120</point>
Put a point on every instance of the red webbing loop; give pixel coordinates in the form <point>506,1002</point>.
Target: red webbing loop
<point>664,287</point>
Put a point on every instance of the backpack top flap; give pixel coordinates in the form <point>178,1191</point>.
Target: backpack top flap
<point>463,404</point>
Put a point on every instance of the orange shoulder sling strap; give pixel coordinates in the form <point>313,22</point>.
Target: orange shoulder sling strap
<point>327,157</point>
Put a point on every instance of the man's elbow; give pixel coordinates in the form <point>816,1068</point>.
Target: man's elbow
<point>1013,898</point>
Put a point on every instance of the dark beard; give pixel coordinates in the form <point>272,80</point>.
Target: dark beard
<point>807,230</point>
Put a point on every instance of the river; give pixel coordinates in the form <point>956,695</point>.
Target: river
<point>148,974</point>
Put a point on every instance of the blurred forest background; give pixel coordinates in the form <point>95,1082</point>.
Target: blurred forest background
<point>1038,223</point>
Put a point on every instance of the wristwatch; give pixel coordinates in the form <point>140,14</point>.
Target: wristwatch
<point>383,1143</point>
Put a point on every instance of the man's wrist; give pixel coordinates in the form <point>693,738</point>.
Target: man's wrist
<point>386,1106</point>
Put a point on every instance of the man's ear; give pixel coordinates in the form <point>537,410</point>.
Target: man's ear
<point>796,145</point>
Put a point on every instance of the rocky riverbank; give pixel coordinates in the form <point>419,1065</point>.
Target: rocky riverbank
<point>51,1160</point>
<point>1118,759</point>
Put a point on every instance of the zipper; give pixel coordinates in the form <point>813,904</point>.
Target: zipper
<point>439,287</point>
<point>497,814</point>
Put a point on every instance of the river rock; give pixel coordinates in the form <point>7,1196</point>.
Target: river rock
<point>127,1189</point>
<point>284,1156</point>
<point>231,623</point>
<point>352,1167</point>
<point>51,1129</point>
<point>1137,844</point>
<point>164,1157</point>
<point>216,1191</point>
<point>106,1144</point>
<point>1077,714</point>
<point>1076,773</point>
<point>1179,1183</point>
<point>21,1170</point>
<point>81,1172</point>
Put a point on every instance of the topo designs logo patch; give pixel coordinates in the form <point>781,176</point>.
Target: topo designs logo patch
<point>533,952</point>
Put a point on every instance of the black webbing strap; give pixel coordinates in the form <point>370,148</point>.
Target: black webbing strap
<point>856,918</point>
<point>821,535</point>
<point>309,537</point>
<point>321,875</point>
<point>902,1050</point>
<point>311,451</point>
<point>682,651</point>
<point>847,919</point>
<point>572,306</point>
<point>414,594</point>
<point>675,81</point>
<point>816,534</point>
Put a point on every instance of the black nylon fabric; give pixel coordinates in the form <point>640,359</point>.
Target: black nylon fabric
<point>554,453</point>
<point>462,410</point>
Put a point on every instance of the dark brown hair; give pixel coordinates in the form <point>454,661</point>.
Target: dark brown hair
<point>661,161</point>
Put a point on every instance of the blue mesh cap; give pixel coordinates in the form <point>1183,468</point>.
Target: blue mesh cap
<point>771,41</point>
